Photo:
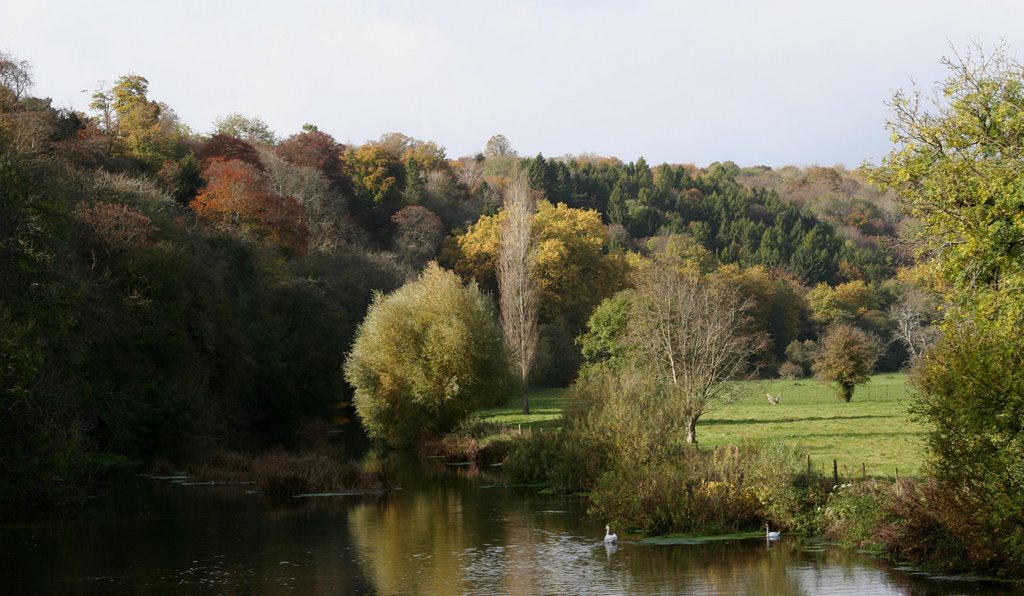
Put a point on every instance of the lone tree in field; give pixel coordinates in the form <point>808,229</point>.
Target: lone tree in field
<point>425,358</point>
<point>682,337</point>
<point>847,357</point>
<point>517,279</point>
<point>689,335</point>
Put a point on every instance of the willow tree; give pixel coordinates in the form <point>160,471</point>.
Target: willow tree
<point>425,357</point>
<point>517,279</point>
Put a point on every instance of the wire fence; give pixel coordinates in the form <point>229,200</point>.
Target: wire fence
<point>885,389</point>
<point>841,474</point>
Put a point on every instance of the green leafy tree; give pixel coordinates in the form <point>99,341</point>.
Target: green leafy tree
<point>142,129</point>
<point>426,357</point>
<point>251,129</point>
<point>602,343</point>
<point>958,167</point>
<point>846,357</point>
<point>960,171</point>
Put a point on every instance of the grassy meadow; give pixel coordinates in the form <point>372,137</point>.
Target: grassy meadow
<point>874,429</point>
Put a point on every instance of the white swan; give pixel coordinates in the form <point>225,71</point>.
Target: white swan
<point>771,535</point>
<point>608,536</point>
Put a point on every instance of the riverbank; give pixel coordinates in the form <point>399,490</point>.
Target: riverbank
<point>809,464</point>
<point>449,532</point>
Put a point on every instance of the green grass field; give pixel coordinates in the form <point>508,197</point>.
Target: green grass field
<point>545,411</point>
<point>874,429</point>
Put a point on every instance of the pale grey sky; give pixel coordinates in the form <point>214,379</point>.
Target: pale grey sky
<point>757,82</point>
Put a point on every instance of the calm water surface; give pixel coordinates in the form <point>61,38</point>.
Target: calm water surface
<point>452,532</point>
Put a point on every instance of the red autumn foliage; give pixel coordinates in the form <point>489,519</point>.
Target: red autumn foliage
<point>227,148</point>
<point>318,150</point>
<point>235,196</point>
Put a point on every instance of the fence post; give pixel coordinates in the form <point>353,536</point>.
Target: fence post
<point>835,473</point>
<point>863,472</point>
<point>808,469</point>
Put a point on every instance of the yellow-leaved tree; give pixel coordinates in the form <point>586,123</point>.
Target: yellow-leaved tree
<point>574,271</point>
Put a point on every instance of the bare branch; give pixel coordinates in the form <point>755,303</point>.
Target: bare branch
<point>517,278</point>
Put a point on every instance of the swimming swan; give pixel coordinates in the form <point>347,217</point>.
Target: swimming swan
<point>611,538</point>
<point>771,535</point>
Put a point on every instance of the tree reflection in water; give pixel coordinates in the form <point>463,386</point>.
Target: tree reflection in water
<point>450,532</point>
<point>457,535</point>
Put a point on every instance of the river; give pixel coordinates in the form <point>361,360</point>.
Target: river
<point>451,531</point>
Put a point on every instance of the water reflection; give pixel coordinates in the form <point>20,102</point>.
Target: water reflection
<point>443,533</point>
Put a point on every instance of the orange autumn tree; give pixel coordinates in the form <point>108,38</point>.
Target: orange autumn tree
<point>236,197</point>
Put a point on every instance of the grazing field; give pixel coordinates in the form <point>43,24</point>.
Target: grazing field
<point>874,429</point>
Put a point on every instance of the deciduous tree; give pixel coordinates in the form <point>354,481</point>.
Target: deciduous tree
<point>15,78</point>
<point>235,197</point>
<point>691,335</point>
<point>226,148</point>
<point>418,235</point>
<point>575,271</point>
<point>425,358</point>
<point>517,279</point>
<point>958,166</point>
<point>846,357</point>
<point>142,129</point>
<point>247,128</point>
<point>498,146</point>
<point>318,150</point>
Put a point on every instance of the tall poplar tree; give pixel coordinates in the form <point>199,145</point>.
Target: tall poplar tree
<point>517,279</point>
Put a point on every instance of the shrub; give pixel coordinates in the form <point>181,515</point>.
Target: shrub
<point>970,391</point>
<point>944,528</point>
<point>853,514</point>
<point>772,471</point>
<point>791,370</point>
<point>727,490</point>
<point>533,458</point>
<point>653,498</point>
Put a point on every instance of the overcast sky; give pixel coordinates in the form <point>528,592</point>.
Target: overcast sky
<point>756,82</point>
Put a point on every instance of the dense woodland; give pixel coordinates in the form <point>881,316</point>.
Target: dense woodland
<point>167,291</point>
